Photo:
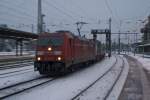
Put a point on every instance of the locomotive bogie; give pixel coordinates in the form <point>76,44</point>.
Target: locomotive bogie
<point>49,67</point>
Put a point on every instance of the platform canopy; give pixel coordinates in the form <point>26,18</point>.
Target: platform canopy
<point>16,34</point>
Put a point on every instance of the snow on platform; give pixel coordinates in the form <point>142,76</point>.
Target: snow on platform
<point>145,61</point>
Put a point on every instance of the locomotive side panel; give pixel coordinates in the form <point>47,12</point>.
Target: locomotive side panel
<point>68,49</point>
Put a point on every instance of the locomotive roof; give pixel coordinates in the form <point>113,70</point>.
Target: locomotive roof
<point>65,32</point>
<point>58,33</point>
<point>70,34</point>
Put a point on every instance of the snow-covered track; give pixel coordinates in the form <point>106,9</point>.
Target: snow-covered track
<point>89,86</point>
<point>23,86</point>
<point>17,72</point>
<point>16,64</point>
<point>113,85</point>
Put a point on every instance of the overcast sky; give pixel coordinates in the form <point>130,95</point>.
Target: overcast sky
<point>63,14</point>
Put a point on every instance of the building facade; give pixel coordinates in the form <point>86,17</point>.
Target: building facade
<point>145,46</point>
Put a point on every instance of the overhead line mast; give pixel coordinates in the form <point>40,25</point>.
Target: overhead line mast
<point>40,21</point>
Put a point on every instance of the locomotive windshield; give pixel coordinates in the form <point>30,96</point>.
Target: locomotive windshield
<point>53,41</point>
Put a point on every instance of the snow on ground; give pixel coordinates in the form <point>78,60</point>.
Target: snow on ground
<point>13,78</point>
<point>145,61</point>
<point>64,88</point>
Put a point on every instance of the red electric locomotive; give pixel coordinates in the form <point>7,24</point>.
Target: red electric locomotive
<point>59,51</point>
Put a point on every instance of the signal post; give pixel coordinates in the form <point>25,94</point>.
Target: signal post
<point>108,38</point>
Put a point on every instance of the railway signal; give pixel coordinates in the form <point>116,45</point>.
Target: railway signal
<point>108,36</point>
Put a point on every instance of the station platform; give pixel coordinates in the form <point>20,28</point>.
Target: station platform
<point>137,85</point>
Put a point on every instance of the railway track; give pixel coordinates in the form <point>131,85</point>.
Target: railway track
<point>14,62</point>
<point>113,85</point>
<point>17,72</point>
<point>23,86</point>
<point>76,97</point>
<point>16,65</point>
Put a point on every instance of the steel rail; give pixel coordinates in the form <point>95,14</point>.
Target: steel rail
<point>81,92</point>
<point>16,74</point>
<point>117,79</point>
<point>19,65</point>
<point>9,90</point>
<point>7,73</point>
<point>15,62</point>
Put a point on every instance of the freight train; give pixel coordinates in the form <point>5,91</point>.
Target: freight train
<point>61,51</point>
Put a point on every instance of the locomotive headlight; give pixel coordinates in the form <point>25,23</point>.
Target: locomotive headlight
<point>38,58</point>
<point>49,49</point>
<point>59,58</point>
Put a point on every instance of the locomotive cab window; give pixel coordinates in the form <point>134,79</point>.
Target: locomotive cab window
<point>54,41</point>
